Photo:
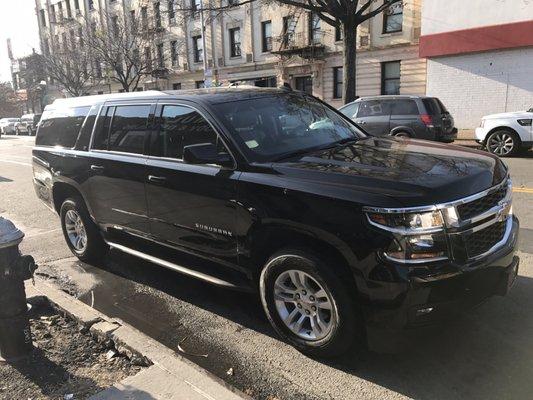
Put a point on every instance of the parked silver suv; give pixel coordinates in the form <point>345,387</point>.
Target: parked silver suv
<point>27,124</point>
<point>418,117</point>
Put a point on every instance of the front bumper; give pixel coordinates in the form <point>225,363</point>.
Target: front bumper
<point>480,135</point>
<point>427,295</point>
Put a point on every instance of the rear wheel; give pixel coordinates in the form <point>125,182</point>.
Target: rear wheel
<point>309,307</point>
<point>81,233</point>
<point>503,143</point>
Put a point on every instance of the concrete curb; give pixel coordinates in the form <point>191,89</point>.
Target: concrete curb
<point>169,376</point>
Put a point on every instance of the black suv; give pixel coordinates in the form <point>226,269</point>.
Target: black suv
<point>417,117</point>
<point>273,191</point>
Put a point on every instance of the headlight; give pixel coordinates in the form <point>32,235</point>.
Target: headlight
<point>417,237</point>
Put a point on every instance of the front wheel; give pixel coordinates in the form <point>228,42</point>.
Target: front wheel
<point>309,307</point>
<point>401,135</point>
<point>503,143</point>
<point>81,233</point>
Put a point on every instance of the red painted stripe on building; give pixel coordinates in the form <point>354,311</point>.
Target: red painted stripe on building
<point>494,37</point>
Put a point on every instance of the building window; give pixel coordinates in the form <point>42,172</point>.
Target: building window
<point>77,5</point>
<point>304,84</point>
<point>90,3</point>
<point>393,18</point>
<point>338,33</point>
<point>199,84</point>
<point>390,77</point>
<point>60,11</point>
<point>197,49</point>
<point>160,56</point>
<point>235,42</point>
<point>171,12</point>
<point>52,14</point>
<point>144,17</point>
<point>174,52</point>
<point>132,21</point>
<point>176,86</point>
<point>148,57</point>
<point>337,82</point>
<point>114,25</point>
<point>315,34</point>
<point>80,36</point>
<point>64,41</point>
<point>195,5</point>
<point>266,36</point>
<point>43,18</point>
<point>157,14</point>
<point>289,25</point>
<point>69,11</point>
<point>46,47</point>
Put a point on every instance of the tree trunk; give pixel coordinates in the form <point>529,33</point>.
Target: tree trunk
<point>349,70</point>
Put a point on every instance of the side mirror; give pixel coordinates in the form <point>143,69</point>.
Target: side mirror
<point>205,153</point>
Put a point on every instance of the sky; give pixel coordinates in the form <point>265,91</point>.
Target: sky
<point>18,22</point>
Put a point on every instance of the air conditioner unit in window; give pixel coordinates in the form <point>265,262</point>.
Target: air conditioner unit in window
<point>249,57</point>
<point>363,40</point>
<point>186,66</point>
<point>220,61</point>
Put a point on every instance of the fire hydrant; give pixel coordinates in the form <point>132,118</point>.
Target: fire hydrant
<point>15,334</point>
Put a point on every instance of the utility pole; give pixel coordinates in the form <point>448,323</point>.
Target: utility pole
<point>207,71</point>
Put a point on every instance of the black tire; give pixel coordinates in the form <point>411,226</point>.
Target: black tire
<point>95,249</point>
<point>499,136</point>
<point>347,323</point>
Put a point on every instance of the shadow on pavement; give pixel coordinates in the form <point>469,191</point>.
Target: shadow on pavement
<point>486,354</point>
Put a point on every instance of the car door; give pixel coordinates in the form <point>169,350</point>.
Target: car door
<point>117,168</point>
<point>405,118</point>
<point>191,207</point>
<point>374,117</point>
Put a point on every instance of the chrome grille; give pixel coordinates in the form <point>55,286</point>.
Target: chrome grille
<point>480,242</point>
<point>476,207</point>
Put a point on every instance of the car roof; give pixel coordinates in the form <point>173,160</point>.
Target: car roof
<point>211,95</point>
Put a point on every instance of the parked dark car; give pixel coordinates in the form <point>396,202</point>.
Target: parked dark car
<point>417,117</point>
<point>273,191</point>
<point>27,124</point>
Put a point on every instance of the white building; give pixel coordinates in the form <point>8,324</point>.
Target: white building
<point>480,56</point>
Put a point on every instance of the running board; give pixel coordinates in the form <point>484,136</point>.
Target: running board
<point>175,267</point>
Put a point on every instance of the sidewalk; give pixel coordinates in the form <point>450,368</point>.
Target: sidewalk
<point>168,376</point>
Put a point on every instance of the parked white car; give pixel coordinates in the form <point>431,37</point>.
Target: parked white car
<point>507,133</point>
<point>7,125</point>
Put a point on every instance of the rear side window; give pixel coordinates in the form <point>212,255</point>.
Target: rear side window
<point>351,110</point>
<point>61,127</point>
<point>123,128</point>
<point>373,108</point>
<point>179,127</point>
<point>434,106</point>
<point>404,107</point>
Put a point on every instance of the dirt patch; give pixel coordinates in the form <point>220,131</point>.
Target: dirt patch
<point>66,363</point>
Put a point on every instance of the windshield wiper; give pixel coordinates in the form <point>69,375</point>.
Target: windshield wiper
<point>308,150</point>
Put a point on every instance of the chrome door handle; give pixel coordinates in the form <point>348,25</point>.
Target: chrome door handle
<point>157,179</point>
<point>97,168</point>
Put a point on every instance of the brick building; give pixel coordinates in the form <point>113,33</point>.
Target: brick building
<point>259,43</point>
<point>479,56</point>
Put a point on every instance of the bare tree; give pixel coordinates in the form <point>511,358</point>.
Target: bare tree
<point>69,64</point>
<point>130,46</point>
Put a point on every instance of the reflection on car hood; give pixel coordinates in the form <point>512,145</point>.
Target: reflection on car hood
<point>510,115</point>
<point>415,172</point>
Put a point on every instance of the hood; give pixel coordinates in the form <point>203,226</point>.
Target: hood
<point>517,114</point>
<point>413,172</point>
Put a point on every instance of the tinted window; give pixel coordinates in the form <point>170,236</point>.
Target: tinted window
<point>61,127</point>
<point>179,127</point>
<point>87,129</point>
<point>404,107</point>
<point>129,125</point>
<point>434,106</point>
<point>268,128</point>
<point>373,108</point>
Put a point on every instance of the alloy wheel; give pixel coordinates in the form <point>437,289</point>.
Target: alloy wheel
<point>304,306</point>
<point>75,230</point>
<point>501,143</point>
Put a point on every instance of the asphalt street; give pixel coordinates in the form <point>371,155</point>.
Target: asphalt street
<point>486,354</point>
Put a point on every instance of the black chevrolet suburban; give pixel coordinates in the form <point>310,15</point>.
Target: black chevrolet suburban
<point>343,235</point>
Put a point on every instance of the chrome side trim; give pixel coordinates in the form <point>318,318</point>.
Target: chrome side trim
<point>174,267</point>
<point>405,231</point>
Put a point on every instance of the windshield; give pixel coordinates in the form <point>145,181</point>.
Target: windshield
<point>271,127</point>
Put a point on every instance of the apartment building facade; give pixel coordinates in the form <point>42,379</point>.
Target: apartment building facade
<point>258,43</point>
<point>479,57</point>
